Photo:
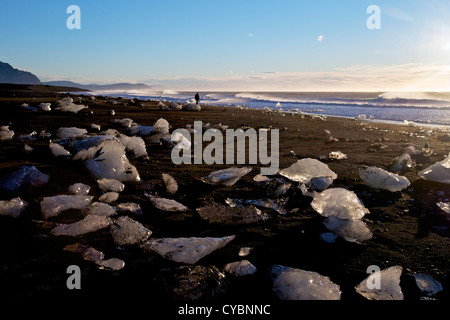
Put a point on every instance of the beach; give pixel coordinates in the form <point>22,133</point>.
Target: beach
<point>408,228</point>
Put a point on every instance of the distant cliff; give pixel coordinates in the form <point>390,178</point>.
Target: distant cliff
<point>8,74</point>
<point>101,87</point>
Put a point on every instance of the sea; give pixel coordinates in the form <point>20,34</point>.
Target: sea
<point>421,108</point>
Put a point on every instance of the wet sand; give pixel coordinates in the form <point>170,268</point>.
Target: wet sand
<point>408,229</point>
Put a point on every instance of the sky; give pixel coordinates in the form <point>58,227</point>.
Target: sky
<point>226,45</point>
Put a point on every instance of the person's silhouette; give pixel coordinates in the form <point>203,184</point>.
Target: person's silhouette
<point>197,98</point>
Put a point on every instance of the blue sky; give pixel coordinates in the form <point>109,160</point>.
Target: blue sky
<point>244,45</point>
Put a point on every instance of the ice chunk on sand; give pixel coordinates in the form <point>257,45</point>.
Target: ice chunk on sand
<point>170,183</point>
<point>99,209</point>
<point>339,202</point>
<point>6,133</point>
<point>438,172</point>
<point>132,207</point>
<point>22,178</point>
<point>427,284</point>
<point>108,160</point>
<point>13,207</point>
<point>79,188</point>
<point>388,287</point>
<point>126,231</point>
<point>296,284</point>
<point>191,107</point>
<point>134,144</point>
<point>166,204</point>
<point>337,155</point>
<point>66,105</point>
<point>110,185</point>
<point>186,250</point>
<point>125,122</point>
<point>444,206</point>
<point>70,133</point>
<point>350,230</point>
<point>381,179</point>
<point>161,126</point>
<point>138,130</point>
<point>95,126</point>
<point>305,169</point>
<point>53,206</point>
<point>220,214</point>
<point>244,251</point>
<point>109,197</point>
<point>240,268</point>
<point>90,223</point>
<point>45,106</point>
<point>58,150</point>
<point>90,142</point>
<point>262,203</point>
<point>87,253</point>
<point>226,177</point>
<point>114,264</point>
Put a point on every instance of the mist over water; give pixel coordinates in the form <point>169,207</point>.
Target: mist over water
<point>420,107</point>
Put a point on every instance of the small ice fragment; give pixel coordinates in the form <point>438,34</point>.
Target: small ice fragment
<point>444,206</point>
<point>438,172</point>
<point>6,133</point>
<point>58,150</point>
<point>240,268</point>
<point>106,184</point>
<point>79,188</point>
<point>427,284</point>
<point>90,223</point>
<point>244,251</point>
<point>388,288</point>
<point>130,207</point>
<point>126,231</point>
<point>95,126</point>
<point>165,204</point>
<point>13,207</point>
<point>45,106</point>
<point>70,133</point>
<point>114,264</point>
<point>381,179</point>
<point>109,197</point>
<point>186,250</point>
<point>296,284</point>
<point>220,214</point>
<point>53,206</point>
<point>170,182</point>
<point>337,155</point>
<point>88,253</point>
<point>226,177</point>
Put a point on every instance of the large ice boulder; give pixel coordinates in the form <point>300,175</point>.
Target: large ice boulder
<point>108,160</point>
<point>306,169</point>
<point>438,172</point>
<point>296,284</point>
<point>382,285</point>
<point>381,179</point>
<point>339,202</point>
<point>187,250</point>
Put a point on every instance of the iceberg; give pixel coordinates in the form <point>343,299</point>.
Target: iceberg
<point>339,202</point>
<point>350,230</point>
<point>53,206</point>
<point>438,172</point>
<point>305,169</point>
<point>12,208</point>
<point>79,188</point>
<point>388,288</point>
<point>220,214</point>
<point>166,204</point>
<point>22,178</point>
<point>226,177</point>
<point>106,184</point>
<point>240,268</point>
<point>90,223</point>
<point>296,284</point>
<point>378,178</point>
<point>108,160</point>
<point>186,250</point>
<point>126,231</point>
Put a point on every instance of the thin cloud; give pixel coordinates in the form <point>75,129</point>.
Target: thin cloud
<point>320,38</point>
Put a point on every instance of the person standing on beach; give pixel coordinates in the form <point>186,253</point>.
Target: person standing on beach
<point>197,98</point>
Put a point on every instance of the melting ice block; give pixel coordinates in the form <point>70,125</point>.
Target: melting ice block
<point>161,126</point>
<point>388,287</point>
<point>66,105</point>
<point>438,172</point>
<point>126,231</point>
<point>187,250</point>
<point>108,160</point>
<point>53,206</point>
<point>305,169</point>
<point>339,202</point>
<point>240,268</point>
<point>110,185</point>
<point>88,224</point>
<point>226,177</point>
<point>296,284</point>
<point>134,144</point>
<point>350,230</point>
<point>381,179</point>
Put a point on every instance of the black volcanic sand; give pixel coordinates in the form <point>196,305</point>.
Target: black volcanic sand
<point>408,228</point>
